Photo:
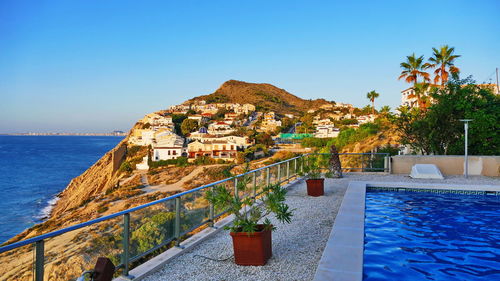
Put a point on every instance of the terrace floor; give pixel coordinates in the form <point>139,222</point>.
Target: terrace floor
<point>297,247</point>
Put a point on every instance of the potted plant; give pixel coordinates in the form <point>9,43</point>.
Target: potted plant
<point>252,242</point>
<point>315,182</point>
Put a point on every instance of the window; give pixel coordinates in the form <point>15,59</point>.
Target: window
<point>174,152</point>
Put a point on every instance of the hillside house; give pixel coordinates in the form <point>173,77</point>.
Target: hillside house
<point>326,131</point>
<point>220,128</point>
<point>370,118</point>
<point>217,149</point>
<point>169,148</point>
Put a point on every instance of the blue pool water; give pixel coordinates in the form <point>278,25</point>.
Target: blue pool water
<point>429,236</point>
<point>33,169</point>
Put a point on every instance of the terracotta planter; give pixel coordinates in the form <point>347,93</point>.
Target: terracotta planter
<point>252,248</point>
<point>315,187</point>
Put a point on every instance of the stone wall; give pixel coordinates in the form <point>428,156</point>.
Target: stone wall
<point>118,155</point>
<point>449,164</point>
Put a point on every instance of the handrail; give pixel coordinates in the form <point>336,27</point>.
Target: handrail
<point>126,259</point>
<point>112,216</point>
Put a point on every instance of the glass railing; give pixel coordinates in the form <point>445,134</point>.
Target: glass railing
<point>132,236</point>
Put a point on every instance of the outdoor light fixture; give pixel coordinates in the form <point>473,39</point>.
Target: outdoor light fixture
<point>466,128</point>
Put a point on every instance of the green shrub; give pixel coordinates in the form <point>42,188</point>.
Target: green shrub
<point>126,166</point>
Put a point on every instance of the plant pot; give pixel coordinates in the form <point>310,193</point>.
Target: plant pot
<point>315,187</point>
<point>252,248</point>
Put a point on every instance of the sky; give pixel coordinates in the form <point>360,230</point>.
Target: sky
<point>99,66</point>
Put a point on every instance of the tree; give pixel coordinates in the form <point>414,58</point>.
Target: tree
<point>189,125</point>
<point>372,96</point>
<point>439,130</point>
<point>413,68</point>
<point>443,60</point>
<point>265,139</point>
<point>385,109</point>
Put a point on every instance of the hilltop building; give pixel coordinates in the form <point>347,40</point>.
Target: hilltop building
<point>169,148</point>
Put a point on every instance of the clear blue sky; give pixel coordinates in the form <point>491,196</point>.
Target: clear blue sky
<point>97,66</point>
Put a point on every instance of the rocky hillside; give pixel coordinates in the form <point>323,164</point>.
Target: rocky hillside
<point>265,97</point>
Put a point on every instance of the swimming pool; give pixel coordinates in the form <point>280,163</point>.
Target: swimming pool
<point>431,236</point>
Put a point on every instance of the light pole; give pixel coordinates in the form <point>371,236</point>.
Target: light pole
<point>466,157</point>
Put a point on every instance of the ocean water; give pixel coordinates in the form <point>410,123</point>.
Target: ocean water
<point>428,236</point>
<point>34,169</point>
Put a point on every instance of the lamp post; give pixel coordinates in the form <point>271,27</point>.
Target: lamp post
<point>466,156</point>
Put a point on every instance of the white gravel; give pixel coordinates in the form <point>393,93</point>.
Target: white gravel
<point>297,247</point>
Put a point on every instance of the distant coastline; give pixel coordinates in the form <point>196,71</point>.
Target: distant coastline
<point>116,133</point>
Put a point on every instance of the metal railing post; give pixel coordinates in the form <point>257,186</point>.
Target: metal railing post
<point>288,171</point>
<point>362,162</point>
<point>211,212</point>
<point>279,174</point>
<point>254,185</point>
<point>39,260</point>
<point>268,176</point>
<point>177,226</point>
<point>126,244</point>
<point>236,188</point>
<point>295,166</point>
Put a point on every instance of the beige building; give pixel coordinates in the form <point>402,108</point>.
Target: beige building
<point>217,149</point>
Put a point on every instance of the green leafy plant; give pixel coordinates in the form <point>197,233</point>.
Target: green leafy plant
<point>311,168</point>
<point>248,213</point>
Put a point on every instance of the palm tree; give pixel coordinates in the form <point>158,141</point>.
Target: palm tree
<point>413,68</point>
<point>443,59</point>
<point>385,109</point>
<point>419,91</point>
<point>372,96</point>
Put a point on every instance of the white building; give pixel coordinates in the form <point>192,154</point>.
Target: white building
<point>366,119</point>
<point>220,128</point>
<point>326,131</point>
<point>169,148</point>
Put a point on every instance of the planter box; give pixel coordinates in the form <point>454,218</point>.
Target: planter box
<point>252,248</point>
<point>315,187</point>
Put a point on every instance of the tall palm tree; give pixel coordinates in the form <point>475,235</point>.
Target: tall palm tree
<point>442,59</point>
<point>372,96</point>
<point>413,68</point>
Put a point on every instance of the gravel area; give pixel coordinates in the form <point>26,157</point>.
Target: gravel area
<point>297,247</point>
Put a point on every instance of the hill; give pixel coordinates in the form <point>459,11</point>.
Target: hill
<point>265,97</point>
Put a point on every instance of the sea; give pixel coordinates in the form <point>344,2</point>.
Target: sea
<point>34,169</point>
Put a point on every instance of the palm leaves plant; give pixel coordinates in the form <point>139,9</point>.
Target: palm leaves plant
<point>372,96</point>
<point>247,213</point>
<point>413,68</point>
<point>443,60</point>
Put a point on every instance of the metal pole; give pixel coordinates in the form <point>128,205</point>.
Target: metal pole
<point>288,171</point>
<point>279,174</point>
<point>126,244</point>
<point>466,154</point>
<point>177,226</point>
<point>39,260</point>
<point>466,125</point>
<point>268,177</point>
<point>295,166</point>
<point>236,195</point>
<point>211,212</point>
<point>254,185</point>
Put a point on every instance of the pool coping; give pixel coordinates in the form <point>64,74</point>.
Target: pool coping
<point>342,257</point>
